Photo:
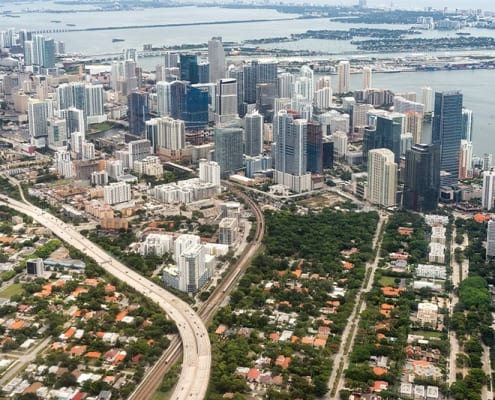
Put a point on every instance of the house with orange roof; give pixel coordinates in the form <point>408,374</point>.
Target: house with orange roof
<point>378,386</point>
<point>253,375</point>
<point>91,282</point>
<point>120,316</point>
<point>78,351</point>
<point>389,291</point>
<point>93,355</point>
<point>480,218</point>
<point>110,288</point>
<point>17,324</point>
<point>297,273</point>
<point>347,265</point>
<point>110,299</point>
<point>294,339</point>
<point>320,342</point>
<point>221,329</point>
<point>283,361</point>
<point>78,291</point>
<point>110,379</point>
<point>274,337</point>
<point>379,371</point>
<point>308,340</point>
<point>68,334</point>
<point>404,231</point>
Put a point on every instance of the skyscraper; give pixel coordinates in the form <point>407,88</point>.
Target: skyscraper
<point>38,114</point>
<point>422,178</point>
<point>314,148</point>
<point>163,98</point>
<point>466,160</point>
<point>382,177</point>
<point>447,133</point>
<point>343,77</point>
<point>189,68</point>
<point>367,78</point>
<point>490,239</point>
<point>427,98</point>
<point>253,127</point>
<point>137,111</point>
<point>226,101</point>
<point>228,149</point>
<point>467,124</point>
<point>216,58</point>
<point>488,194</point>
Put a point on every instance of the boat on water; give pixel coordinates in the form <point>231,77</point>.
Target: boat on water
<point>117,40</point>
<point>56,21</point>
<point>70,24</point>
<point>463,33</point>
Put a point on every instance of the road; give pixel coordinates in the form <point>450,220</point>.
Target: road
<point>196,363</point>
<point>341,358</point>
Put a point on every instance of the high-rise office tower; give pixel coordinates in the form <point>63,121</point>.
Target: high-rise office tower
<point>490,239</point>
<point>258,72</point>
<point>38,113</point>
<point>228,149</point>
<point>253,128</point>
<point>226,101</point>
<point>367,78</point>
<point>488,192</point>
<point>467,124</point>
<point>137,112</point>
<point>314,148</point>
<point>466,160</point>
<point>171,60</point>
<point>216,58</point>
<point>406,142</point>
<point>447,133</point>
<point>422,178</point>
<point>382,177</point>
<point>189,68</point>
<point>131,54</point>
<point>387,133</point>
<point>163,98</point>
<point>238,75</point>
<point>203,71</point>
<point>195,113</point>
<point>427,98</point>
<point>28,53</point>
<point>343,77</point>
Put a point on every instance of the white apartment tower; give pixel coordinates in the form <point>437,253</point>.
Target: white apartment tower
<point>163,98</point>
<point>253,133</point>
<point>382,177</point>
<point>117,192</point>
<point>209,172</point>
<point>488,189</point>
<point>367,78</point>
<point>343,77</point>
<point>490,239</point>
<point>38,114</point>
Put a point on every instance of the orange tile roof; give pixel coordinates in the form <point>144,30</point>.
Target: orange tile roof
<point>78,291</point>
<point>6,239</point>
<point>380,371</point>
<point>283,361</point>
<point>70,332</point>
<point>78,350</point>
<point>221,329</point>
<point>274,337</point>
<point>110,288</point>
<point>480,218</point>
<point>120,357</point>
<point>120,315</point>
<point>91,282</point>
<point>253,374</point>
<point>297,273</point>
<point>93,354</point>
<point>347,265</point>
<point>308,340</point>
<point>389,291</point>
<point>320,342</point>
<point>378,386</point>
<point>18,324</point>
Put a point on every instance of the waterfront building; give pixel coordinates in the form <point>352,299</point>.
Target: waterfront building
<point>343,77</point>
<point>216,58</point>
<point>253,128</point>
<point>467,124</point>
<point>367,78</point>
<point>422,178</point>
<point>447,134</point>
<point>427,98</point>
<point>228,149</point>
<point>171,60</point>
<point>488,193</point>
<point>382,177</point>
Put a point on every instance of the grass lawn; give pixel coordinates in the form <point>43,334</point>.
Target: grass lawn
<point>9,291</point>
<point>387,281</point>
<point>431,334</point>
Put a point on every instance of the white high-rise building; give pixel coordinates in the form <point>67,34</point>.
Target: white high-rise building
<point>382,177</point>
<point>324,82</point>
<point>166,133</point>
<point>216,58</point>
<point>157,244</point>
<point>253,133</point>
<point>340,141</point>
<point>117,192</point>
<point>343,77</point>
<point>285,85</point>
<point>488,189</point>
<point>76,144</point>
<point>427,98</point>
<point>490,239</point>
<point>183,242</point>
<point>466,160</point>
<point>487,160</point>
<point>209,172</point>
<point>192,270</point>
<point>63,164</point>
<point>88,151</point>
<point>38,114</point>
<point>323,98</point>
<point>114,168</point>
<point>163,98</point>
<point>367,78</point>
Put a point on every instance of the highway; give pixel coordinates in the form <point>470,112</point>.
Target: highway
<point>196,363</point>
